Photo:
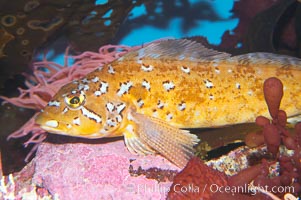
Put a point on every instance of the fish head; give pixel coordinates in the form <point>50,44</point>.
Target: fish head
<point>73,112</point>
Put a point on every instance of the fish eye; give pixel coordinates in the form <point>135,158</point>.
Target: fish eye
<point>75,101</point>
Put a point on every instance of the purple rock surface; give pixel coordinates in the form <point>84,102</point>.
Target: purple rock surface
<point>100,171</point>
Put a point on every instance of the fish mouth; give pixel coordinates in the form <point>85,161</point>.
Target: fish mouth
<point>49,125</point>
<point>51,130</point>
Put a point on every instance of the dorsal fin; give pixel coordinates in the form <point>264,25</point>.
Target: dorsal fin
<point>181,49</point>
<point>261,58</point>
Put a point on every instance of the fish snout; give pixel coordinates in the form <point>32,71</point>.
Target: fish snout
<point>43,120</point>
<point>48,123</point>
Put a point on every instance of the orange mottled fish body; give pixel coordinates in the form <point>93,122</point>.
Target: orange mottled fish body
<point>150,93</point>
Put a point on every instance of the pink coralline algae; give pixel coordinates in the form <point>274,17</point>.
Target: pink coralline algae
<point>89,171</point>
<point>48,77</point>
<point>81,170</point>
<point>19,186</point>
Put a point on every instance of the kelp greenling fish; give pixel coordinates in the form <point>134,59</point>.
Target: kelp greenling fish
<point>150,95</point>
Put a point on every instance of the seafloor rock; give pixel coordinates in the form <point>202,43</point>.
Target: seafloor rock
<point>100,171</point>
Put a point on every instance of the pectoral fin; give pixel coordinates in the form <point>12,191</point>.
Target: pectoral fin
<point>134,144</point>
<point>173,143</point>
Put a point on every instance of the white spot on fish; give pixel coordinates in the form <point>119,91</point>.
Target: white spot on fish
<point>54,103</point>
<point>111,122</point>
<point>86,87</point>
<point>52,123</point>
<point>76,121</point>
<point>111,70</point>
<point>124,88</point>
<point>91,115</point>
<point>229,70</point>
<point>99,68</point>
<point>250,92</point>
<point>140,103</point>
<point>97,93</point>
<point>118,118</point>
<point>95,79</point>
<point>69,126</point>
<point>73,92</point>
<point>146,85</point>
<point>217,70</point>
<point>208,83</point>
<point>211,97</point>
<point>237,85</point>
<point>155,113</point>
<point>185,69</point>
<point>169,117</point>
<point>168,85</point>
<point>65,110</point>
<point>103,89</point>
<point>160,104</point>
<point>110,107</point>
<point>147,68</point>
<point>85,81</point>
<point>182,106</point>
<point>80,86</point>
<point>120,107</point>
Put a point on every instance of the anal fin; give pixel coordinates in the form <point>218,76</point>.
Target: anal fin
<point>173,143</point>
